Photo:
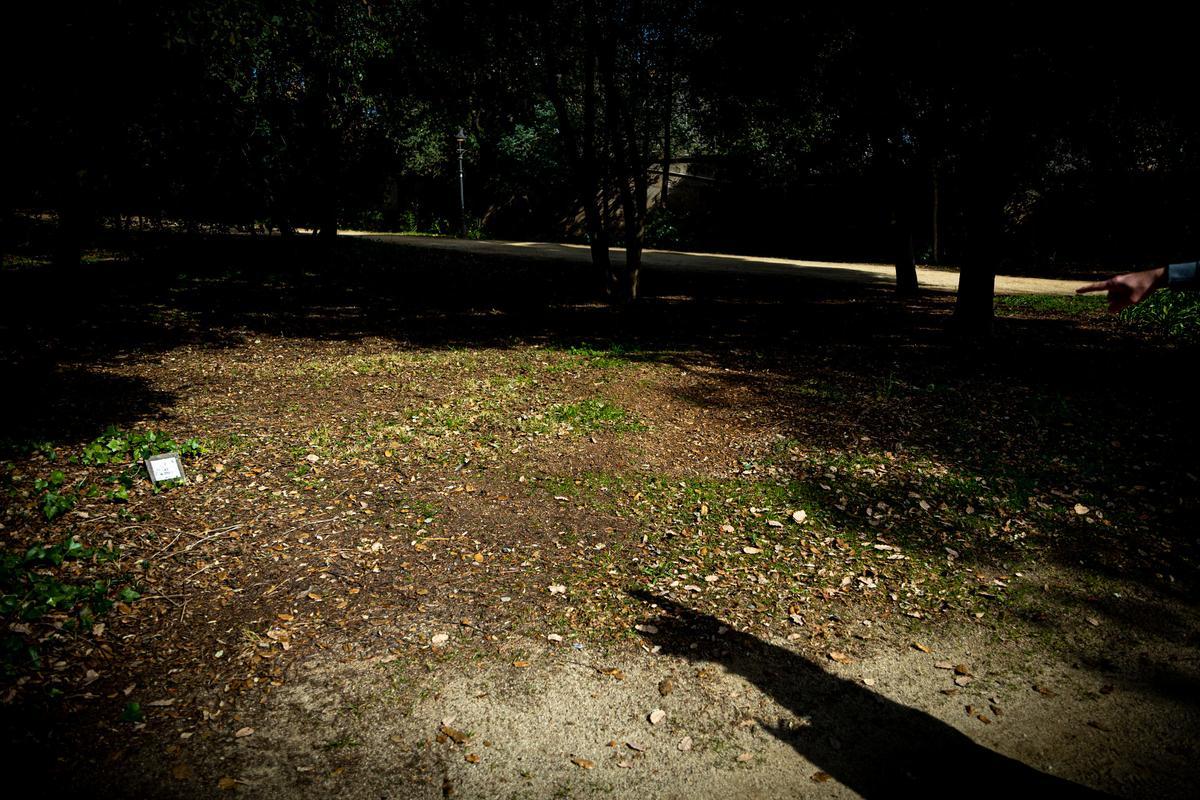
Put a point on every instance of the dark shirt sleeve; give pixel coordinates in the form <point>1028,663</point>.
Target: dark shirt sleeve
<point>1183,275</point>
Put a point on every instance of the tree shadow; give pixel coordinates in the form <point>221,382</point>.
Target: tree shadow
<point>874,746</point>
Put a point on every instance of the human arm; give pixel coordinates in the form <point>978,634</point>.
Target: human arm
<point>1134,287</point>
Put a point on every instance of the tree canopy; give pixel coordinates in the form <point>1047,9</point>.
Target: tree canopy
<point>933,132</point>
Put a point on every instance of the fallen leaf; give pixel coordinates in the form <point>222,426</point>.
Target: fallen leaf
<point>554,637</point>
<point>962,680</point>
<point>183,772</point>
<point>743,757</point>
<point>558,588</point>
<point>584,763</point>
<point>1081,509</point>
<point>1100,726</point>
<point>471,758</point>
<point>666,686</point>
<point>839,657</point>
<point>961,669</point>
<point>685,744</point>
<point>919,646</point>
<point>244,732</point>
<point>750,551</point>
<point>439,639</point>
<point>943,665</point>
<point>820,777</point>
<point>454,734</point>
<point>520,664</point>
<point>657,716</point>
<point>226,784</point>
<point>1045,692</point>
<point>636,747</point>
<point>799,517</point>
<point>650,629</point>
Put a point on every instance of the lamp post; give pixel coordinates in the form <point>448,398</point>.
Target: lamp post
<point>461,137</point>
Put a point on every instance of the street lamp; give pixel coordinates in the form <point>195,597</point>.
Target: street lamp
<point>461,137</point>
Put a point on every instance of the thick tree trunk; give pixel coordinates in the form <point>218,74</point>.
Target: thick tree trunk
<point>973,308</point>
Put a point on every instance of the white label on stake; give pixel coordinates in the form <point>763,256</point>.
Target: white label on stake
<point>165,468</point>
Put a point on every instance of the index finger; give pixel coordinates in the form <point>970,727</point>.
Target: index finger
<point>1098,286</point>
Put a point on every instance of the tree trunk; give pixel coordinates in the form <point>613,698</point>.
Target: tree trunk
<point>68,243</point>
<point>326,88</point>
<point>667,106</point>
<point>937,252</point>
<point>906,266</point>
<point>973,308</point>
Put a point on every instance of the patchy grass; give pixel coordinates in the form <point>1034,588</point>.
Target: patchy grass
<point>592,415</point>
<point>1064,305</point>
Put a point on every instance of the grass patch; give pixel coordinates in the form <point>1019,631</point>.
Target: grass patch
<point>1065,305</point>
<point>592,415</point>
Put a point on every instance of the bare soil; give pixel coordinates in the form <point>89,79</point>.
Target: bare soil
<point>456,523</point>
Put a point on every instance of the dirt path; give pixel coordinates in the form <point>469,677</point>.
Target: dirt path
<point>942,280</point>
<point>978,714</point>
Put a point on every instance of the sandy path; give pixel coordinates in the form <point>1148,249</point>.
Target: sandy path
<point>942,280</point>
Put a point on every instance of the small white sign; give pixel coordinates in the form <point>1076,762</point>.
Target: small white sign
<point>165,467</point>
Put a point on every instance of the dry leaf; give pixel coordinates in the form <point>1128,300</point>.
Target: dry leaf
<point>584,763</point>
<point>471,758</point>
<point>439,639</point>
<point>657,716</point>
<point>799,517</point>
<point>244,732</point>
<point>666,686</point>
<point>685,744</point>
<point>454,734</point>
<point>820,777</point>
<point>745,757</point>
<point>839,657</point>
<point>919,646</point>
<point>226,784</point>
<point>521,664</point>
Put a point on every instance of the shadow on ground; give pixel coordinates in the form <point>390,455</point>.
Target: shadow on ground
<point>873,745</point>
